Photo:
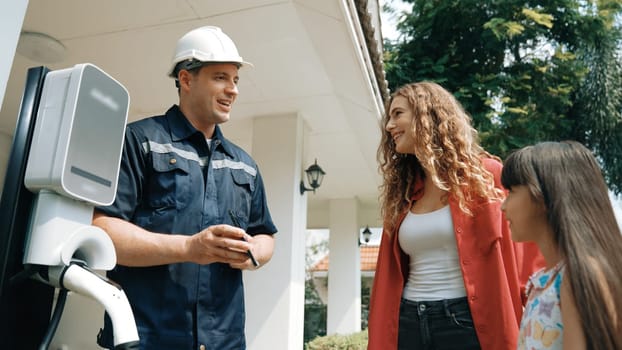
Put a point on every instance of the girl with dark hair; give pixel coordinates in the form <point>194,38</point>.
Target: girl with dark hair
<point>448,274</point>
<point>558,199</point>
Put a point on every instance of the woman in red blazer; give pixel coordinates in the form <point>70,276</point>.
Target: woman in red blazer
<point>448,275</point>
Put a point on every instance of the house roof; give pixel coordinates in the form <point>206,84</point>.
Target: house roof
<point>320,61</point>
<point>374,48</point>
<point>369,256</point>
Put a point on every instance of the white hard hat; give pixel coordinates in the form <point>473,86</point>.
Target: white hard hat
<point>205,44</point>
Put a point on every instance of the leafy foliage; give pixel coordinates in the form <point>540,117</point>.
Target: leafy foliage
<point>355,341</point>
<point>598,107</point>
<point>526,71</point>
<point>315,322</point>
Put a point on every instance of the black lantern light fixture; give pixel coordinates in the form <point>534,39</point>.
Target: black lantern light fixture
<point>366,235</point>
<point>315,175</point>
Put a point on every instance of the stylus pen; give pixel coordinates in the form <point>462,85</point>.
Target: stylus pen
<point>235,222</point>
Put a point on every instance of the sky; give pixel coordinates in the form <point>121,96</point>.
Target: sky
<point>617,208</point>
<point>389,21</point>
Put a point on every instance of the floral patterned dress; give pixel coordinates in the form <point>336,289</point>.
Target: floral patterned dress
<point>541,326</point>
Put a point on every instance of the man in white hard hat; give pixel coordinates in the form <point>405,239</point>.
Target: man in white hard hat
<point>190,212</point>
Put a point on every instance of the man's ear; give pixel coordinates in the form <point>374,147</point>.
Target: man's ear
<point>185,79</point>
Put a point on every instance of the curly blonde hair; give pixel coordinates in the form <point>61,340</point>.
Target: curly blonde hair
<point>446,147</point>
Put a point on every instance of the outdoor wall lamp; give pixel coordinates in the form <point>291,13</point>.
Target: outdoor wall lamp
<point>366,235</point>
<point>315,175</point>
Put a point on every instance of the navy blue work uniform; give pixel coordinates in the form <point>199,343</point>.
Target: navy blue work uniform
<point>172,181</point>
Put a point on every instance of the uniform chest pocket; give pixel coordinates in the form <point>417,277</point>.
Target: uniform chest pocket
<point>243,189</point>
<point>170,183</point>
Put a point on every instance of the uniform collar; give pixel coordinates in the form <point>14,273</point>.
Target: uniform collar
<point>181,129</point>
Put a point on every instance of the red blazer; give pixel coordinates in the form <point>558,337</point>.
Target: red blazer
<point>494,268</point>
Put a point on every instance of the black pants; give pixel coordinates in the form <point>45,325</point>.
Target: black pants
<point>436,325</point>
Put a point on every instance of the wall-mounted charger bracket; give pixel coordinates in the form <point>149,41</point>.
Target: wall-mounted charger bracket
<point>62,231</point>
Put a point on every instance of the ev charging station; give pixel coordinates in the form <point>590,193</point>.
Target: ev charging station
<point>74,142</point>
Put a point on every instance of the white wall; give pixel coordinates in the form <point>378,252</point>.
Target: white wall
<point>5,145</point>
<point>11,18</point>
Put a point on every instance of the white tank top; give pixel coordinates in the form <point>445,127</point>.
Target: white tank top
<point>430,242</point>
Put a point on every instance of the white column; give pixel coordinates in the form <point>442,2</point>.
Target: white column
<point>344,274</point>
<point>275,293</point>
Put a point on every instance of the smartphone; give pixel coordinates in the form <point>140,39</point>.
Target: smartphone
<point>236,223</point>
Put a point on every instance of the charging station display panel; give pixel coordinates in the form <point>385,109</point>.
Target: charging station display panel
<point>96,138</point>
<point>78,138</point>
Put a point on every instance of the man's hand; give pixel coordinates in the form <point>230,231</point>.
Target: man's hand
<point>220,243</point>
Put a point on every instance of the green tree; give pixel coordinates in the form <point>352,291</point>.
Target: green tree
<point>600,97</point>
<point>526,71</point>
